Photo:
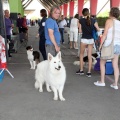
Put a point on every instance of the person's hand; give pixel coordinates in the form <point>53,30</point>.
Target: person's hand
<point>12,25</point>
<point>37,36</point>
<point>100,48</point>
<point>57,48</point>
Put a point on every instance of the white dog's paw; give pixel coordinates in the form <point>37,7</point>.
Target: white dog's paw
<point>62,99</point>
<point>76,63</point>
<point>49,90</point>
<point>40,90</point>
<point>36,85</point>
<point>55,98</point>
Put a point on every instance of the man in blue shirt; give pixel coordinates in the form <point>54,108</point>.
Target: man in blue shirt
<point>52,33</point>
<point>8,27</point>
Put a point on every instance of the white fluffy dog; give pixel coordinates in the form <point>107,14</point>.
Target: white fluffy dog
<point>53,73</point>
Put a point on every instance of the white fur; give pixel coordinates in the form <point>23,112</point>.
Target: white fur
<point>31,59</point>
<point>93,63</point>
<point>46,72</point>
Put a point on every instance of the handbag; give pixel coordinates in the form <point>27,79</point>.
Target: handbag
<point>94,32</point>
<point>107,52</point>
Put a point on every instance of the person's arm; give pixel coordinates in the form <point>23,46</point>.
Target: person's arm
<point>79,27</point>
<point>107,26</point>
<point>96,26</point>
<point>65,23</point>
<point>52,38</point>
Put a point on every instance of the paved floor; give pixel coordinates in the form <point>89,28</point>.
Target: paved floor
<point>19,100</point>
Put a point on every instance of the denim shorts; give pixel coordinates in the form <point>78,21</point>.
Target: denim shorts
<point>117,49</point>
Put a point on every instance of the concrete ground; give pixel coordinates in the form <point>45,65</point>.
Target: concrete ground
<point>19,100</point>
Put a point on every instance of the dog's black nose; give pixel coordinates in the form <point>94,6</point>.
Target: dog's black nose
<point>59,67</point>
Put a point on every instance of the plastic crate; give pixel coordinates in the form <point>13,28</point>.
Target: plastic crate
<point>109,68</point>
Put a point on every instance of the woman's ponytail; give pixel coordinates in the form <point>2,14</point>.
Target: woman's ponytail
<point>85,12</point>
<point>88,21</point>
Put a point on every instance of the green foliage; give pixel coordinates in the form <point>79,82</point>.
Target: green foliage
<point>102,17</point>
<point>103,14</point>
<point>101,21</point>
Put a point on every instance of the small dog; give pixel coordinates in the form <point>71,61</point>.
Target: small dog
<point>53,73</point>
<point>33,57</point>
<point>85,60</point>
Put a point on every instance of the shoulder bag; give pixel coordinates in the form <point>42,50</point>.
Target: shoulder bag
<point>107,52</point>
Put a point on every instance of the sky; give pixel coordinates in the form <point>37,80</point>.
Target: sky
<point>35,5</point>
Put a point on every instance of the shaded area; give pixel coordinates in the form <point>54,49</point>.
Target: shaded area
<point>19,100</point>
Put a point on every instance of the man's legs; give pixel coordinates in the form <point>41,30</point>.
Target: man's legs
<point>62,34</point>
<point>42,47</point>
<point>9,38</point>
<point>50,49</point>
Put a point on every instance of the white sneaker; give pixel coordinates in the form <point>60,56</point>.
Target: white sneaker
<point>99,83</point>
<point>113,86</point>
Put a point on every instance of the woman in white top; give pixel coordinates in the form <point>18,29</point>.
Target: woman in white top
<point>114,14</point>
<point>74,31</point>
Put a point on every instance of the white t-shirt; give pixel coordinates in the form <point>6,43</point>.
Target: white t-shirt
<point>74,24</point>
<point>62,23</point>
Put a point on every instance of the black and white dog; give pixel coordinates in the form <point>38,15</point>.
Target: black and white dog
<point>85,59</point>
<point>33,56</point>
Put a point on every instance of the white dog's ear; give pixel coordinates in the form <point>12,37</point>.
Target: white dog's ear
<point>59,55</point>
<point>50,57</point>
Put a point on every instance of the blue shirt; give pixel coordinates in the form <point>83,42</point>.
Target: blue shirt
<point>8,24</point>
<point>52,24</point>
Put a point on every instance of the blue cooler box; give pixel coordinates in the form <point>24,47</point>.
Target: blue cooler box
<point>109,68</point>
<point>1,76</point>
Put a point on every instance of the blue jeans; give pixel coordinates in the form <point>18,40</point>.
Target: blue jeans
<point>42,47</point>
<point>62,34</point>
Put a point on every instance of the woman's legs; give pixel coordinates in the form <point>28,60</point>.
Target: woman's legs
<point>102,70</point>
<point>90,47</point>
<point>82,50</point>
<point>71,44</point>
<point>75,45</point>
<point>116,69</point>
<point>75,34</point>
<point>71,39</point>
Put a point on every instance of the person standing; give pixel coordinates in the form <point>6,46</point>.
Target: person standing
<point>52,33</point>
<point>19,23</point>
<point>24,28</point>
<point>43,14</point>
<point>8,27</point>
<point>74,31</point>
<point>24,24</point>
<point>87,41</point>
<point>62,24</point>
<point>111,24</point>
